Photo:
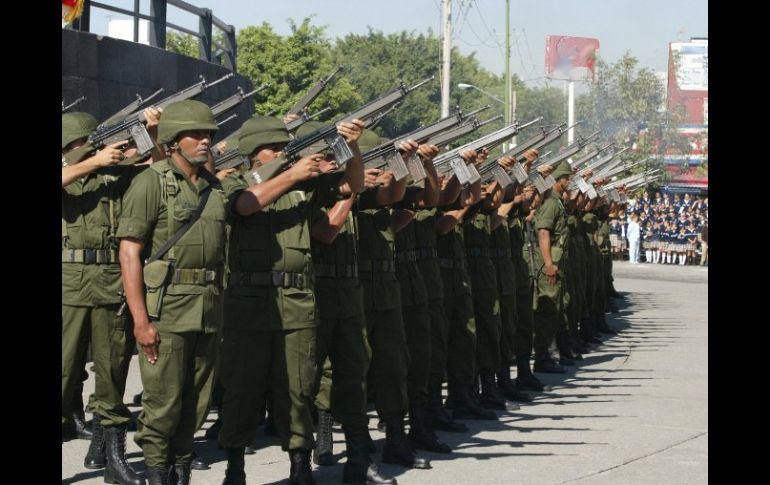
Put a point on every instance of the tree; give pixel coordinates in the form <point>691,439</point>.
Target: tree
<point>182,43</point>
<point>628,106</point>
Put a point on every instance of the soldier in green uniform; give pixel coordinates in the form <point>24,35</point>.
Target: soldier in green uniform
<point>174,299</point>
<point>269,338</point>
<point>414,299</point>
<point>552,236</point>
<point>343,354</point>
<point>575,277</point>
<point>382,307</point>
<point>603,243</point>
<point>92,192</point>
<point>458,302</point>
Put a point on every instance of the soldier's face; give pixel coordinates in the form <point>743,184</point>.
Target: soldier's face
<point>194,146</point>
<point>268,153</point>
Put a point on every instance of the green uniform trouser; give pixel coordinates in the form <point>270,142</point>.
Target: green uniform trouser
<point>549,312</point>
<point>439,340</point>
<point>508,329</point>
<point>112,343</point>
<point>172,390</point>
<point>390,360</point>
<point>461,367</point>
<point>600,293</point>
<point>523,334</point>
<point>418,340</point>
<point>608,274</point>
<point>341,345</point>
<point>206,380</point>
<point>590,281</point>
<point>573,306</point>
<point>254,361</point>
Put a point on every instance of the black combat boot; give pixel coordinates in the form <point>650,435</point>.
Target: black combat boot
<point>603,327</point>
<point>117,469</point>
<point>198,462</point>
<point>525,379</point>
<point>300,473</point>
<point>397,450</point>
<point>79,415</point>
<point>235,474</point>
<point>490,397</point>
<point>565,347</point>
<point>157,476</point>
<point>421,436</point>
<point>137,400</point>
<point>359,468</point>
<point>545,364</point>
<point>95,459</point>
<point>323,454</point>
<point>508,389</point>
<point>438,418</point>
<point>467,408</point>
<point>577,343</point>
<point>181,474</point>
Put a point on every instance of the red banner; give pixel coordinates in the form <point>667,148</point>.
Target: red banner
<point>570,58</point>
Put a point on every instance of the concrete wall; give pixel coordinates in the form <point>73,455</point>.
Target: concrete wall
<point>110,72</point>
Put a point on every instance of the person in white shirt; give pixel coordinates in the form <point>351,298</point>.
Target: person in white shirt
<point>632,234</point>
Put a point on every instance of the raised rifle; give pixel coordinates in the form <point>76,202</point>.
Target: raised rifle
<point>64,109</point>
<point>301,106</point>
<point>234,100</point>
<point>382,103</point>
<point>130,108</point>
<point>229,118</point>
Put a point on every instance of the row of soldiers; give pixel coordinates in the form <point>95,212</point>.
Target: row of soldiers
<point>325,287</point>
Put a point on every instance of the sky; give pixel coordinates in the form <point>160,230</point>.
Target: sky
<point>642,27</point>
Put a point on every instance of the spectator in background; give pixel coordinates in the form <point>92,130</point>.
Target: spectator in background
<point>632,234</point>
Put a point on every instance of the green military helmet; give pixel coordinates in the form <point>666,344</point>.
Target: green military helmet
<point>188,115</point>
<point>564,169</point>
<point>259,131</point>
<point>76,125</point>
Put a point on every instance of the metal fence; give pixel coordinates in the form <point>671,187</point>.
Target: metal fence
<point>225,53</point>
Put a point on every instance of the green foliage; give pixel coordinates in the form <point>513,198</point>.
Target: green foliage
<point>182,43</point>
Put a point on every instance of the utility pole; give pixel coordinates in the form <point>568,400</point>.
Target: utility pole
<point>446,54</point>
<point>508,83</point>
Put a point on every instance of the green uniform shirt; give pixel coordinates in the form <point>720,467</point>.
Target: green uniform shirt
<point>477,234</point>
<point>603,234</point>
<point>591,224</point>
<point>427,251</point>
<point>338,296</point>
<point>552,216</point>
<point>500,249</point>
<point>91,207</point>
<point>376,247</point>
<point>413,291</point>
<point>275,240</point>
<point>186,307</point>
<point>519,248</point>
<point>451,253</point>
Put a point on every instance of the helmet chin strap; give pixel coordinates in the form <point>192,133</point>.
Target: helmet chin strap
<point>193,161</point>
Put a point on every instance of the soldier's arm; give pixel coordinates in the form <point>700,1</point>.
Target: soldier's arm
<point>390,190</point>
<point>109,155</point>
<point>550,269</point>
<point>449,220</point>
<point>146,333</point>
<point>430,193</point>
<point>326,228</point>
<point>400,219</point>
<point>450,192</point>
<point>472,195</point>
<point>353,181</point>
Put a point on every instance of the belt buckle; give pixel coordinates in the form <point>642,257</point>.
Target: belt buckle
<point>89,256</point>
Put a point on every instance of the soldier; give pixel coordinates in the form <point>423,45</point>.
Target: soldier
<point>343,354</point>
<point>92,192</point>
<point>269,338</point>
<point>174,216</point>
<point>551,227</point>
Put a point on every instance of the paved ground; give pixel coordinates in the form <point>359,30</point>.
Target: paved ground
<point>634,412</point>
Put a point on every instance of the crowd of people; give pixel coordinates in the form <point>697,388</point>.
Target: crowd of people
<point>663,229</point>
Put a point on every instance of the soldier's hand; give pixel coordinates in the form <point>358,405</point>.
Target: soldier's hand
<point>222,174</point>
<point>110,154</point>
<point>469,155</point>
<point>289,117</point>
<point>221,146</point>
<point>483,155</point>
<point>370,177</point>
<point>351,131</point>
<point>152,115</point>
<point>506,162</point>
<point>551,272</point>
<point>545,170</point>
<point>530,156</point>
<point>408,148</point>
<point>386,178</point>
<point>306,168</point>
<point>148,339</point>
<point>427,152</point>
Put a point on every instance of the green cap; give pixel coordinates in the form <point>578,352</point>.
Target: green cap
<point>188,115</point>
<point>259,131</point>
<point>76,125</point>
<point>564,169</point>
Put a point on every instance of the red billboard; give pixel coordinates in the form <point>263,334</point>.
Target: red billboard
<point>570,58</point>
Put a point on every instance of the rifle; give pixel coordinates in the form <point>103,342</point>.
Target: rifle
<point>229,118</point>
<point>130,108</point>
<point>542,184</point>
<point>64,109</point>
<point>304,117</point>
<point>467,174</point>
<point>531,250</point>
<point>384,102</point>
<point>234,100</point>
<point>304,102</point>
<point>229,159</point>
<point>132,127</point>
